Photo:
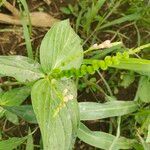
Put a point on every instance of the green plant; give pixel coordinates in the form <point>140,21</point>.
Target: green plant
<point>96,20</point>
<point>54,92</point>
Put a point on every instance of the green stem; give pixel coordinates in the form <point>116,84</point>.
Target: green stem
<point>106,84</point>
<point>117,135</point>
<point>138,49</point>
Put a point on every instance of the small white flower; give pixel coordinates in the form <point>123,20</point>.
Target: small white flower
<point>105,44</point>
<point>65,99</point>
<point>95,45</point>
<point>70,97</point>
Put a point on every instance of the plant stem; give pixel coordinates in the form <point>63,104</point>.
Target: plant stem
<point>138,49</point>
<point>106,84</point>
<point>117,135</point>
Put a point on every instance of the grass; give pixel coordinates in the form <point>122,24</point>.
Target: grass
<point>97,20</point>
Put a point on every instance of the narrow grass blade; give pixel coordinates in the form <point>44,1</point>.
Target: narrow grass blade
<point>25,6</point>
<point>100,54</point>
<point>26,31</point>
<point>30,145</point>
<point>27,38</point>
<point>131,17</point>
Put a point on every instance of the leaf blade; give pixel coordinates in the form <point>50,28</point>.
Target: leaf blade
<point>14,97</point>
<point>21,68</point>
<point>11,143</point>
<point>102,140</point>
<point>60,127</point>
<point>92,111</point>
<point>141,66</point>
<point>30,145</point>
<point>25,112</point>
<point>63,51</point>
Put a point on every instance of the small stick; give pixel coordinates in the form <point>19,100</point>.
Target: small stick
<point>38,19</point>
<point>7,19</point>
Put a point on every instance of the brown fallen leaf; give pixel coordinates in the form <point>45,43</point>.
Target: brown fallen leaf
<point>38,19</point>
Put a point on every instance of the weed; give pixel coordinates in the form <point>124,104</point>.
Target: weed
<point>54,92</point>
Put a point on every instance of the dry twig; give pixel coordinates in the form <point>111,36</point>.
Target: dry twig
<point>38,19</point>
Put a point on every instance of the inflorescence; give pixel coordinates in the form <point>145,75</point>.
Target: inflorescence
<point>91,66</point>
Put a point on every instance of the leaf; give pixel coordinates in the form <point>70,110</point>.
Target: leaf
<point>61,48</point>
<point>30,145</point>
<point>88,110</point>
<point>144,89</point>
<point>103,140</point>
<point>127,79</point>
<point>92,111</point>
<point>14,97</point>
<point>25,15</point>
<point>142,117</point>
<point>145,145</point>
<point>65,10</point>
<point>25,112</point>
<point>12,117</point>
<point>27,37</point>
<point>130,17</point>
<point>92,13</point>
<point>148,135</point>
<point>57,130</point>
<point>114,47</point>
<point>11,143</point>
<point>21,68</point>
<point>141,66</point>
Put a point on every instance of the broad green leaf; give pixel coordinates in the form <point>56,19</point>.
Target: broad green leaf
<point>127,79</point>
<point>30,145</point>
<point>103,140</point>
<point>11,143</point>
<point>12,117</point>
<point>61,48</point>
<point>58,130</point>
<point>21,68</point>
<point>14,97</point>
<point>92,111</point>
<point>144,89</point>
<point>141,66</point>
<point>88,110</point>
<point>25,112</point>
